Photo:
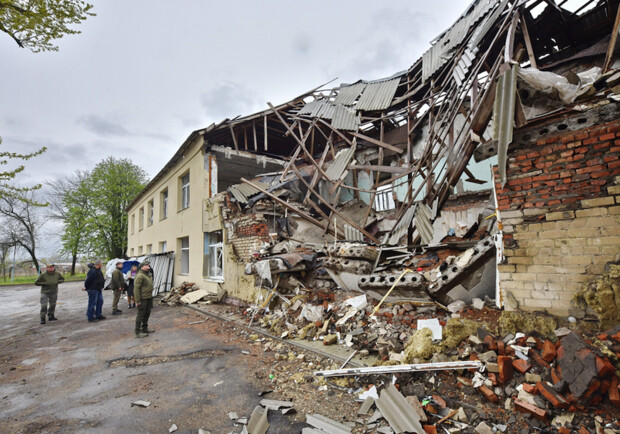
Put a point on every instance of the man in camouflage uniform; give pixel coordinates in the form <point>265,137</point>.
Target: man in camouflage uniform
<point>118,285</point>
<point>48,282</point>
<point>143,293</point>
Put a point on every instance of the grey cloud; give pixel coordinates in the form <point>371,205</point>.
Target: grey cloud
<point>227,101</point>
<point>102,126</point>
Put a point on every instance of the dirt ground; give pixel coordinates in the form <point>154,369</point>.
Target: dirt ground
<point>75,376</point>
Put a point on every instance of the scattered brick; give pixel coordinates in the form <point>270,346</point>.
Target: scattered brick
<point>551,395</point>
<point>526,407</point>
<point>548,351</point>
<point>521,366</point>
<point>614,392</point>
<point>489,394</point>
<point>604,367</point>
<point>505,368</point>
<point>538,359</point>
<point>439,401</point>
<point>530,388</point>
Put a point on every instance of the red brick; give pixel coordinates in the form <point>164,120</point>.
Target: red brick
<point>505,368</point>
<point>501,348</point>
<point>563,430</point>
<point>548,351</point>
<point>583,430</point>
<point>530,388</point>
<point>525,407</point>
<point>595,385</point>
<point>614,392</point>
<point>609,136</point>
<point>521,365</point>
<point>489,394</point>
<point>430,429</point>
<point>551,395</point>
<point>538,359</point>
<point>605,385</point>
<point>490,343</point>
<point>439,401</point>
<point>604,367</point>
<point>493,378</point>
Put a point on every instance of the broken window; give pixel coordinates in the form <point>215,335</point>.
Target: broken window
<point>384,199</point>
<point>151,212</point>
<point>163,213</point>
<point>185,191</point>
<point>213,261</point>
<point>184,242</point>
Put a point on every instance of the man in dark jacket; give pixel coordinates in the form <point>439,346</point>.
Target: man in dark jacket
<point>48,282</point>
<point>143,293</point>
<point>93,285</point>
<point>118,285</point>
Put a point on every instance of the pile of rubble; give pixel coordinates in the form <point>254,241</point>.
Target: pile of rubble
<point>189,293</point>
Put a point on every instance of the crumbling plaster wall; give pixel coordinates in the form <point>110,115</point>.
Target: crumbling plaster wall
<point>561,211</point>
<point>217,217</point>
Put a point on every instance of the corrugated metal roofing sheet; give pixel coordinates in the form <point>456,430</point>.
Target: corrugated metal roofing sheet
<point>347,95</point>
<point>503,116</point>
<point>318,109</point>
<point>242,192</point>
<point>403,225</point>
<point>423,223</point>
<point>440,53</point>
<point>484,27</point>
<point>398,412</point>
<point>378,96</point>
<point>345,118</point>
<point>462,67</point>
<point>340,163</point>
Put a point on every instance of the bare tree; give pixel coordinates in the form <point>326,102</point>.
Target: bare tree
<point>22,223</point>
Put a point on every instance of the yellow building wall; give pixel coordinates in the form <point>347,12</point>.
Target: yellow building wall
<point>179,222</point>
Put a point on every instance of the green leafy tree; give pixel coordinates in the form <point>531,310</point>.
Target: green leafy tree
<point>69,204</point>
<point>35,24</point>
<point>112,185</point>
<point>8,190</point>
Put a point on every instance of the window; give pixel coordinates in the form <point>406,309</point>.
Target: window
<point>141,220</point>
<point>184,244</point>
<point>163,247</point>
<point>151,212</point>
<point>184,191</point>
<point>384,200</point>
<point>140,251</point>
<point>131,251</point>
<point>213,260</point>
<point>163,212</point>
<point>133,223</point>
<point>149,248</point>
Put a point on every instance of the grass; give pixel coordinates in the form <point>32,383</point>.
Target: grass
<point>26,280</point>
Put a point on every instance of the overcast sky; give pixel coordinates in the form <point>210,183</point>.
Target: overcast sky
<point>143,75</point>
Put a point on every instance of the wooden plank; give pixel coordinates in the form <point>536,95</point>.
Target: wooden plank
<point>386,169</point>
<point>266,133</point>
<point>378,143</point>
<point>285,204</point>
<point>612,42</point>
<point>510,38</point>
<point>255,140</point>
<point>335,211</point>
<point>315,177</point>
<point>245,138</point>
<point>232,132</point>
<point>528,43</point>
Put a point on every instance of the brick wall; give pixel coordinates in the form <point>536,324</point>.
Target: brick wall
<point>247,234</point>
<point>561,213</point>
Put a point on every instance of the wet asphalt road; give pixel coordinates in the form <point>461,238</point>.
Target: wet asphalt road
<point>75,376</point>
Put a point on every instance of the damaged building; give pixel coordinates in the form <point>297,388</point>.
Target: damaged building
<point>490,168</point>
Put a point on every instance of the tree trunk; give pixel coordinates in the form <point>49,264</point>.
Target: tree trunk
<point>73,261</point>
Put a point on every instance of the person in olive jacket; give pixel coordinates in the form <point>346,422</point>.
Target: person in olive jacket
<point>48,282</point>
<point>118,285</point>
<point>143,293</point>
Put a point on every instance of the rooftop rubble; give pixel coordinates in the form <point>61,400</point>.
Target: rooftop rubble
<point>373,246</point>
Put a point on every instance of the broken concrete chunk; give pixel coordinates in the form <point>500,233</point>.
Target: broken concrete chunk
<point>483,428</point>
<point>232,415</point>
<point>143,404</point>
<point>272,404</point>
<point>173,428</point>
<point>477,303</point>
<point>456,306</point>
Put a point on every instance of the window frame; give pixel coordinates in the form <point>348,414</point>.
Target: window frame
<point>213,247</point>
<point>184,256</point>
<point>184,191</point>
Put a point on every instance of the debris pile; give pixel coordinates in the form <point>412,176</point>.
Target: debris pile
<point>189,293</point>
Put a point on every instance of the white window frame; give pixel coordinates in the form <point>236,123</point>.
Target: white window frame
<point>185,191</point>
<point>213,253</point>
<point>164,204</point>
<point>151,212</point>
<point>184,256</point>
<point>384,198</point>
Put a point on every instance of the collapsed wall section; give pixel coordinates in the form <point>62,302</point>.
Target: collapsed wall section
<point>560,209</point>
